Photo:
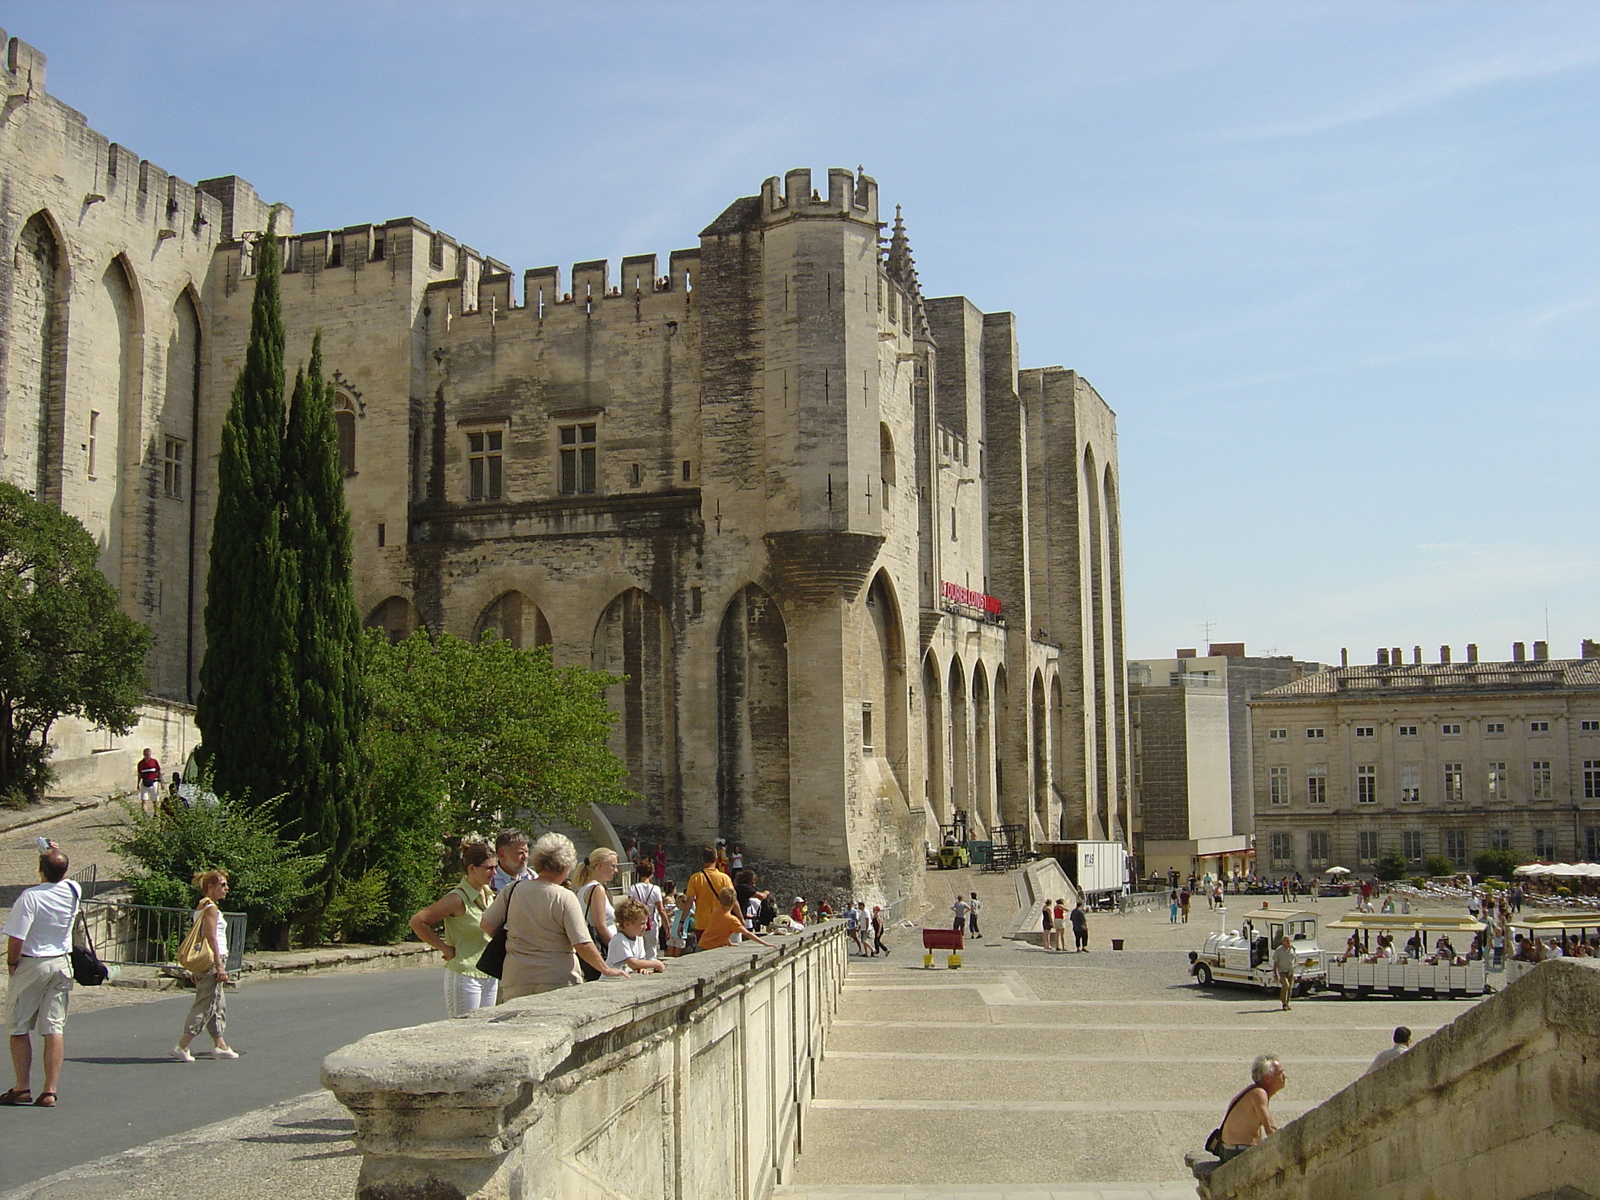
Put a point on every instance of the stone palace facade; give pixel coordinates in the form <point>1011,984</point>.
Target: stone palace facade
<point>859,567</point>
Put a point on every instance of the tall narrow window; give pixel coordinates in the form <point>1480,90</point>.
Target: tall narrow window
<point>485,464</point>
<point>1544,844</point>
<point>1316,785</point>
<point>1455,846</point>
<point>1317,849</point>
<point>1591,779</point>
<point>94,433</point>
<point>1367,847</point>
<point>1410,783</point>
<point>1411,844</point>
<point>1539,786</point>
<point>1497,781</point>
<point>1366,785</point>
<point>1278,783</point>
<point>578,449</point>
<point>1452,783</point>
<point>1282,851</point>
<point>344,420</point>
<point>172,468</point>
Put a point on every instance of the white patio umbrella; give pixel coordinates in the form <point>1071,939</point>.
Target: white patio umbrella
<point>1337,871</point>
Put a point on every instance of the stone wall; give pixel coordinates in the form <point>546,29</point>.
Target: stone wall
<point>89,761</point>
<point>689,1085</point>
<point>1501,1104</point>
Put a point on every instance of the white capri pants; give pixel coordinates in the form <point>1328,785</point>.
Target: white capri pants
<point>464,993</point>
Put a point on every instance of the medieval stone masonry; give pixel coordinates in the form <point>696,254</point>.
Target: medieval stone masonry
<point>859,568</point>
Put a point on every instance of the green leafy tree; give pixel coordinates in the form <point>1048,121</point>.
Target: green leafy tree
<point>1391,865</point>
<point>325,777</point>
<point>66,647</point>
<point>1439,864</point>
<point>1498,863</point>
<point>248,705</point>
<point>464,737</point>
<point>271,873</point>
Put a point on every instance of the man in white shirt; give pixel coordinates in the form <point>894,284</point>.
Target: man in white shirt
<point>1402,1043</point>
<point>511,860</point>
<point>38,934</point>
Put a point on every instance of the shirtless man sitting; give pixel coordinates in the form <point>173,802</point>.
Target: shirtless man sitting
<point>1248,1119</point>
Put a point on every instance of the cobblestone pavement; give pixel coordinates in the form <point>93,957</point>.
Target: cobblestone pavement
<point>1033,1073</point>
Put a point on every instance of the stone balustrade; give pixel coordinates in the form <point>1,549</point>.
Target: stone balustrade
<point>1501,1104</point>
<point>682,1086</point>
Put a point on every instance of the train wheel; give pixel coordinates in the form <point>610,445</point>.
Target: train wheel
<point>1202,975</point>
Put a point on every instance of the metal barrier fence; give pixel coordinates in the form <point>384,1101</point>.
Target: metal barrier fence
<point>87,879</point>
<point>138,935</point>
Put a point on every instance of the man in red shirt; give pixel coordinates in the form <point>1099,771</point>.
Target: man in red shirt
<point>149,782</point>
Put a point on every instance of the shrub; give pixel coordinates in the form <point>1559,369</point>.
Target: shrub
<point>269,875</point>
<point>1438,864</point>
<point>1391,865</point>
<point>1497,862</point>
<point>1418,881</point>
<point>359,907</point>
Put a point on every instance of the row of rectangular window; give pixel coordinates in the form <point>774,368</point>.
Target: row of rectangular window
<point>1453,844</point>
<point>577,463</point>
<point>1447,729</point>
<point>1497,781</point>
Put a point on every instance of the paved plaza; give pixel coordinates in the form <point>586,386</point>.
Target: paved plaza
<point>1034,1074</point>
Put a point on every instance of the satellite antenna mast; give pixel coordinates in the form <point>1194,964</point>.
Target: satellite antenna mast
<point>1207,626</point>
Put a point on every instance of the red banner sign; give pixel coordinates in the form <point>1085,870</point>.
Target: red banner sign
<point>954,593</point>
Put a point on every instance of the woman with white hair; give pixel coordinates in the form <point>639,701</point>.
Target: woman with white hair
<point>546,933</point>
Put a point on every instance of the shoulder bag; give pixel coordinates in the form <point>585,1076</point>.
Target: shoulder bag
<point>584,896</point>
<point>196,955</point>
<point>87,968</point>
<point>1214,1138</point>
<point>492,961</point>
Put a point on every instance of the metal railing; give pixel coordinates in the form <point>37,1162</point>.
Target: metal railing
<point>87,879</point>
<point>138,935</point>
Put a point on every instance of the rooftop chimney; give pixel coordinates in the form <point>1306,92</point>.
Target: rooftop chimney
<point>1394,657</point>
<point>1519,652</point>
<point>1541,652</point>
<point>1444,654</point>
<point>1227,649</point>
<point>1383,657</point>
<point>1190,653</point>
<point>1416,655</point>
<point>1472,651</point>
<point>1591,648</point>
<point>1344,656</point>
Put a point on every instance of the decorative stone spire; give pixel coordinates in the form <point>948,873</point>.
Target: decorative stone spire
<point>902,269</point>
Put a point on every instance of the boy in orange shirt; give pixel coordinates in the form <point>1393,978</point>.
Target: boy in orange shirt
<point>721,927</point>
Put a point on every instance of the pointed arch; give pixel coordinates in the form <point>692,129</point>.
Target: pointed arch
<point>753,725</point>
<point>515,619</point>
<point>983,756</point>
<point>397,617</point>
<point>36,358</point>
<point>960,741</point>
<point>1059,778</point>
<point>344,421</point>
<point>886,464</point>
<point>1094,684</point>
<point>935,794</point>
<point>107,360</point>
<point>884,677</point>
<point>634,639</point>
<point>1039,729</point>
<point>175,622</point>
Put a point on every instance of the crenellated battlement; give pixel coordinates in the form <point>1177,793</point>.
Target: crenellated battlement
<point>850,194</point>
<point>168,204</point>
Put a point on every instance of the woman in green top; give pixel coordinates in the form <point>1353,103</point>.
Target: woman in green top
<point>459,910</point>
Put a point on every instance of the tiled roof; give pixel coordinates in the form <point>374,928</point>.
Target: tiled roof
<point>1435,678</point>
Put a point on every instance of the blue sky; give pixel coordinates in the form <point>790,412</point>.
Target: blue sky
<point>1336,267</point>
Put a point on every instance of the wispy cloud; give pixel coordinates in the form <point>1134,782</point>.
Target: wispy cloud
<point>1431,86</point>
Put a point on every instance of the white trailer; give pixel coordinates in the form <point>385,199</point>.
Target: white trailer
<point>1099,870</point>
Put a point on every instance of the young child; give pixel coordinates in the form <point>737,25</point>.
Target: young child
<point>627,950</point>
<point>727,925</point>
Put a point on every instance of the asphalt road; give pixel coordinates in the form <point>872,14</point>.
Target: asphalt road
<point>120,1088</point>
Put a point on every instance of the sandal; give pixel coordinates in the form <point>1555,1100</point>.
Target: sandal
<point>45,1100</point>
<point>16,1096</point>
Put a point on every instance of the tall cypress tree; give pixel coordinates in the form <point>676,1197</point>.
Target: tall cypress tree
<point>248,705</point>
<point>326,770</point>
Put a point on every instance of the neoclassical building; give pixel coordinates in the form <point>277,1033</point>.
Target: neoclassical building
<point>858,567</point>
